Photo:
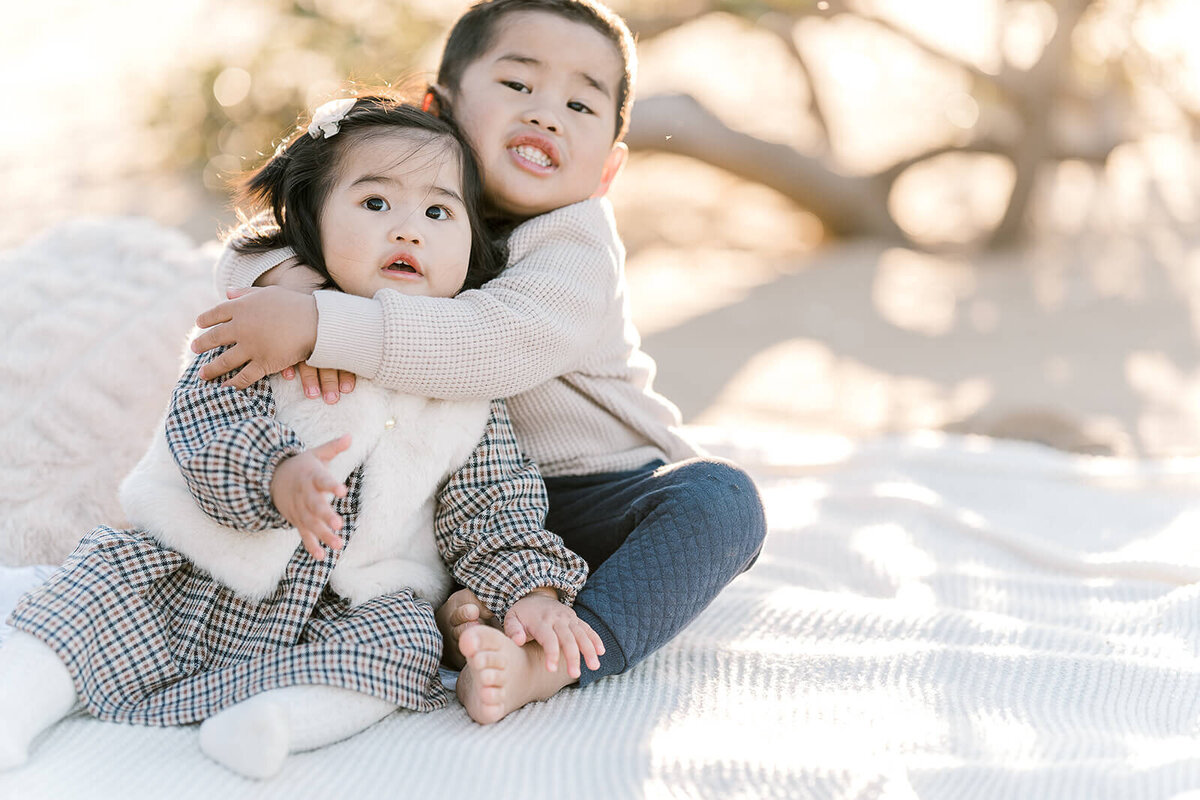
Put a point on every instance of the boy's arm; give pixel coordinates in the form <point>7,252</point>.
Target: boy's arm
<point>489,524</point>
<point>228,444</point>
<point>237,270</point>
<point>531,324</point>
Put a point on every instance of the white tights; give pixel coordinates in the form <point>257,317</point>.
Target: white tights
<point>254,737</point>
<point>36,691</point>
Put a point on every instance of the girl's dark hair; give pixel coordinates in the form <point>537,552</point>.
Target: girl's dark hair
<point>295,183</point>
<point>475,31</point>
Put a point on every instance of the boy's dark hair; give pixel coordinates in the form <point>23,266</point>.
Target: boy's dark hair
<point>295,183</point>
<point>475,31</point>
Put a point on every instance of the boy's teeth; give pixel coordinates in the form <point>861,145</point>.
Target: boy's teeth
<point>533,154</point>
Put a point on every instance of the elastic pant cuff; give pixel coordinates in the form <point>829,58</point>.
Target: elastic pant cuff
<point>613,660</point>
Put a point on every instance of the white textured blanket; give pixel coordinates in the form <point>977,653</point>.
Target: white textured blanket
<point>932,617</point>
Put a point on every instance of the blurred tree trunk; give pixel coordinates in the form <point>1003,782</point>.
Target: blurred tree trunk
<point>847,205</point>
<point>850,205</point>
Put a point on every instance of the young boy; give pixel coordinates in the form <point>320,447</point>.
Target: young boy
<point>542,89</point>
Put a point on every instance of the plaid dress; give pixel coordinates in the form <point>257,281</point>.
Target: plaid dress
<point>151,638</point>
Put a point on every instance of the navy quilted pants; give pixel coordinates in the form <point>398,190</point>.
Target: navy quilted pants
<point>661,542</point>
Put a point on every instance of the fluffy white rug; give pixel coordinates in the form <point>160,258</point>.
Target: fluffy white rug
<point>93,319</point>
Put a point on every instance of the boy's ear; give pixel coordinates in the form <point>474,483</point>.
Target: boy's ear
<point>612,168</point>
<point>435,96</point>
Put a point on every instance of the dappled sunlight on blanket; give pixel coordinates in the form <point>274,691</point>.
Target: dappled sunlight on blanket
<point>1003,736</point>
<point>890,549</point>
<point>935,617</point>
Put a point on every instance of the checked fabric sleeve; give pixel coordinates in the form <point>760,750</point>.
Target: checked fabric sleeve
<point>490,525</point>
<point>227,444</point>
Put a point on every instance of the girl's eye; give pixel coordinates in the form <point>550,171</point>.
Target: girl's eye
<point>516,86</point>
<point>575,105</point>
<point>375,204</point>
<point>437,212</point>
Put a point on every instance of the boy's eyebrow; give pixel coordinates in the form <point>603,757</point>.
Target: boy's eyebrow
<point>595,83</point>
<point>438,190</point>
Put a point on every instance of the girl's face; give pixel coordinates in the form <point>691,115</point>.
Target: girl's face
<point>395,217</point>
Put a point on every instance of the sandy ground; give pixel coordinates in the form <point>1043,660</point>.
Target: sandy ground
<point>1085,339</point>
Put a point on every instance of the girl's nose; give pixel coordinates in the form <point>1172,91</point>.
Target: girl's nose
<point>407,230</point>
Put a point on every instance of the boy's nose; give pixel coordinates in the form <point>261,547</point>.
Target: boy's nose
<point>542,119</point>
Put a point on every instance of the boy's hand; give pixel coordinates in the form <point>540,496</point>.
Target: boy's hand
<point>324,382</point>
<point>328,383</point>
<point>269,329</point>
<point>301,489</point>
<point>555,627</point>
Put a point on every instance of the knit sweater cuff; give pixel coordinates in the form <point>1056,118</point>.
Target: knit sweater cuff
<point>349,333</point>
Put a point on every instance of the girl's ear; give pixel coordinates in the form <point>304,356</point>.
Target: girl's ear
<point>612,168</point>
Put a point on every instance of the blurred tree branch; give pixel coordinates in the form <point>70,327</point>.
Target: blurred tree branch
<point>1036,96</point>
<point>224,108</point>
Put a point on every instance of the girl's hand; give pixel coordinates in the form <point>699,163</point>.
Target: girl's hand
<point>268,329</point>
<point>301,489</point>
<point>325,382</point>
<point>555,627</point>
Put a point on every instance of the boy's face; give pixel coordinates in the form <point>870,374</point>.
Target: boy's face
<point>540,108</point>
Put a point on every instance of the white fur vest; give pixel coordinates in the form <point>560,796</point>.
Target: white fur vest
<point>408,446</point>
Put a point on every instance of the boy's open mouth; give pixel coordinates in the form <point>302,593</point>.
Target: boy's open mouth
<point>533,154</point>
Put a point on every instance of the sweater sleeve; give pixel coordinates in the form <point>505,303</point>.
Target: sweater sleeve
<point>227,444</point>
<point>532,323</point>
<point>490,529</point>
<point>237,270</point>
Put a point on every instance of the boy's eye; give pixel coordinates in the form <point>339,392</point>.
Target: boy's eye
<point>516,86</point>
<point>575,105</point>
<point>438,212</point>
<point>375,204</point>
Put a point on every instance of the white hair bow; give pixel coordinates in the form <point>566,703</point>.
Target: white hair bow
<point>328,117</point>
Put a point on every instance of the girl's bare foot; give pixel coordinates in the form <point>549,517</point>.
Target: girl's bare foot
<point>461,610</point>
<point>500,676</point>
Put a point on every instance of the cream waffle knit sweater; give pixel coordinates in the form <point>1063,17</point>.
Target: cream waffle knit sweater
<point>552,333</point>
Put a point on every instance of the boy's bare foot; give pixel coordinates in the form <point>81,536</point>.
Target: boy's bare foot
<point>461,610</point>
<point>500,676</point>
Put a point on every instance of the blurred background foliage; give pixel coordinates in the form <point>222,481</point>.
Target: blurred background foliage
<point>222,108</point>
<point>928,123</point>
<point>784,155</point>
